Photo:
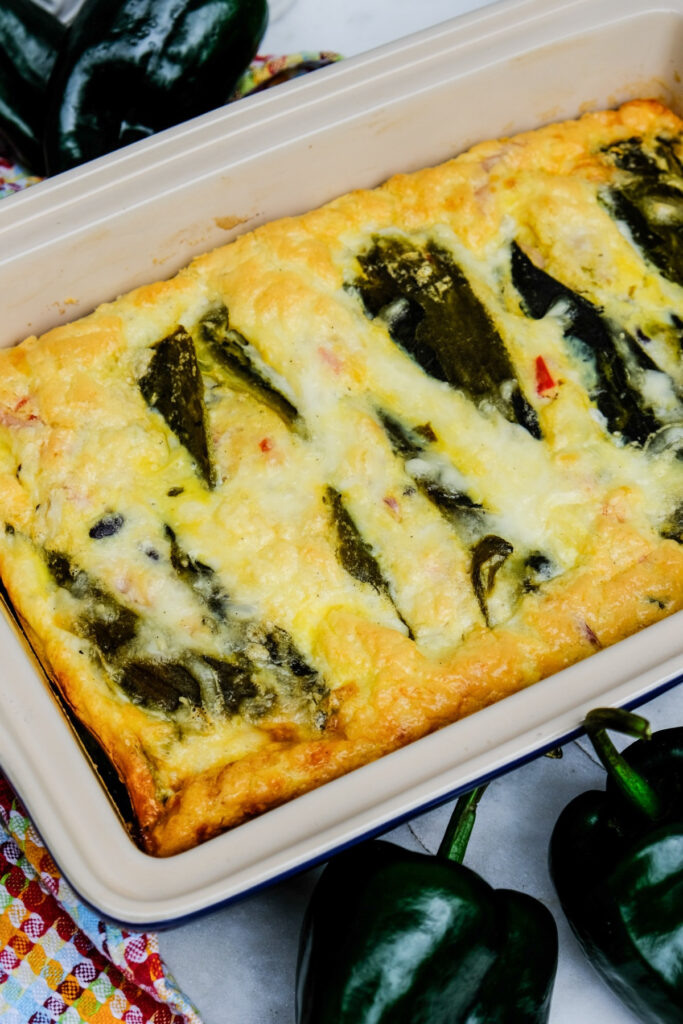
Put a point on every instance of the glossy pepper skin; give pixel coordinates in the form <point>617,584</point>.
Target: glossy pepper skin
<point>397,937</point>
<point>30,38</point>
<point>130,68</point>
<point>616,858</point>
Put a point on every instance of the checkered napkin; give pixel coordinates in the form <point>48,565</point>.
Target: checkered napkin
<point>59,963</point>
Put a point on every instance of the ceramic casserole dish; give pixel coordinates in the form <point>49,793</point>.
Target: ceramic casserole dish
<point>139,214</point>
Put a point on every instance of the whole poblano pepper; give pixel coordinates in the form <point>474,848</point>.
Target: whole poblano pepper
<point>129,68</point>
<point>397,937</point>
<point>29,40</point>
<point>616,858</point>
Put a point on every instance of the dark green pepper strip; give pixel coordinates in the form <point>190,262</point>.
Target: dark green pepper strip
<point>130,68</point>
<point>160,685</point>
<point>354,553</point>
<point>434,314</point>
<point>30,38</point>
<point>488,556</point>
<point>650,201</point>
<point>199,576</point>
<point>611,350</point>
<point>106,622</point>
<point>173,386</point>
<point>395,937</point>
<point>616,858</point>
<point>407,443</point>
<point>231,351</point>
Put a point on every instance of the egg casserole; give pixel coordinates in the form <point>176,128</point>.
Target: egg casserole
<point>358,473</point>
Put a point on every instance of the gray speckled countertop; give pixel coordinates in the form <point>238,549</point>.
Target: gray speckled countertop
<point>238,963</point>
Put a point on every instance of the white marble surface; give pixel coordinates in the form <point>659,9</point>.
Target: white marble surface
<point>238,964</point>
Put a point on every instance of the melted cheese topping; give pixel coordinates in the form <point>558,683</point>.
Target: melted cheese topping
<point>358,473</point>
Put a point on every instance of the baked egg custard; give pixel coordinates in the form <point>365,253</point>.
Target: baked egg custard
<point>358,473</point>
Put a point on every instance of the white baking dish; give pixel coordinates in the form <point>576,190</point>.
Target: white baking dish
<point>139,214</point>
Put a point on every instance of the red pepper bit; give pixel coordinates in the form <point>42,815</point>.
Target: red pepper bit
<point>266,445</point>
<point>590,635</point>
<point>544,379</point>
<point>20,405</point>
<point>393,506</point>
<point>331,358</point>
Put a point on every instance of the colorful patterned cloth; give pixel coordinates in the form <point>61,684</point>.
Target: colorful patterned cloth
<point>268,70</point>
<point>59,963</point>
<point>13,178</point>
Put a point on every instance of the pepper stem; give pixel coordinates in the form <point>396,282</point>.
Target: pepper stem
<point>459,828</point>
<point>634,787</point>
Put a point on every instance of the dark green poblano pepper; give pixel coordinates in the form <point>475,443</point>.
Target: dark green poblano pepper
<point>30,38</point>
<point>130,68</point>
<point>397,937</point>
<point>616,857</point>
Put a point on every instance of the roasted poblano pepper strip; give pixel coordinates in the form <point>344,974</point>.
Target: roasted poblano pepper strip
<point>396,937</point>
<point>283,651</point>
<point>173,386</point>
<point>30,38</point>
<point>616,859</point>
<point>157,684</point>
<point>243,683</point>
<point>609,348</point>
<point>673,527</point>
<point>432,312</point>
<point>488,556</point>
<point>353,551</point>
<point>234,677</point>
<point>537,569</point>
<point>107,526</point>
<point>199,576</point>
<point>231,350</point>
<point>104,621</point>
<point>129,68</point>
<point>650,201</point>
<point>409,443</point>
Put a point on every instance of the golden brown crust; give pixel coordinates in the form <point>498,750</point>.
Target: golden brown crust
<point>411,700</point>
<point>376,666</point>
